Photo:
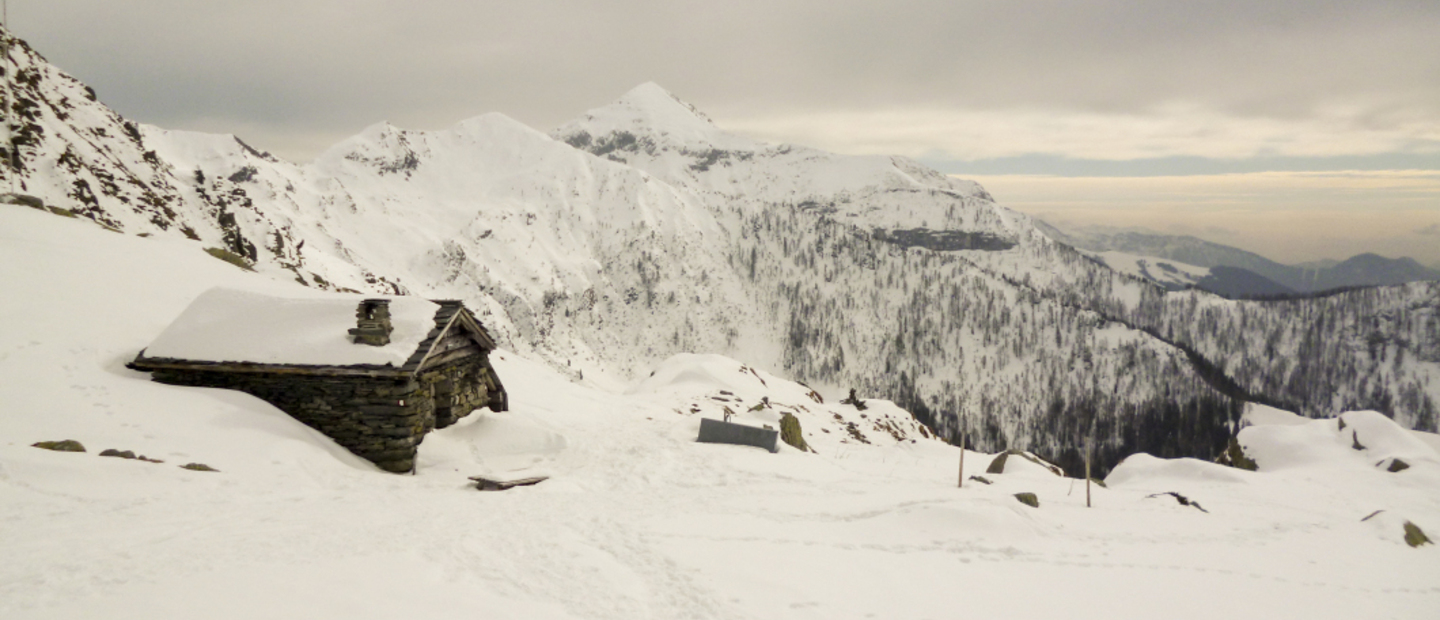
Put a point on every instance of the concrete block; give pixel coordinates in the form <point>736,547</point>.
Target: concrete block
<point>716,431</point>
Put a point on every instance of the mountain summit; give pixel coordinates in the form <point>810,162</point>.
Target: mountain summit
<point>649,115</point>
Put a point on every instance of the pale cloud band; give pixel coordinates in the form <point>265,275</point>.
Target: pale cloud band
<point>1286,216</point>
<point>1176,130</point>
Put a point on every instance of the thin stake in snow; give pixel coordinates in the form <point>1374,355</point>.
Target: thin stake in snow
<point>1089,448</point>
<point>962,457</point>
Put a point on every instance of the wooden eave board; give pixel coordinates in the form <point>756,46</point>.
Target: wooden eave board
<point>159,363</point>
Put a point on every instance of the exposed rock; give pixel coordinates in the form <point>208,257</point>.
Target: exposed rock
<point>66,445</point>
<point>1234,456</point>
<point>127,454</point>
<point>854,400</point>
<point>1414,536</point>
<point>24,200</point>
<point>1029,499</point>
<point>997,466</point>
<point>231,257</point>
<point>790,432</point>
<point>1184,501</point>
<point>486,483</point>
<point>981,479</point>
<point>198,467</point>
<point>1099,482</point>
<point>1397,465</point>
<point>1355,437</point>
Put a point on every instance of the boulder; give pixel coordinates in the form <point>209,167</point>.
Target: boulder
<point>1234,456</point>
<point>1414,536</point>
<point>198,467</point>
<point>1029,499</point>
<point>790,432</point>
<point>997,465</point>
<point>65,445</point>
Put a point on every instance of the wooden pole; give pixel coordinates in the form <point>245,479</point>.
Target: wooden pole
<point>962,459</point>
<point>1089,448</point>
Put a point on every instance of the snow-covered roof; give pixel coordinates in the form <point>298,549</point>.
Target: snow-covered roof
<point>228,325</point>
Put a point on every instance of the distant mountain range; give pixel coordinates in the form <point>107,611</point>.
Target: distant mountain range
<point>1237,273</point>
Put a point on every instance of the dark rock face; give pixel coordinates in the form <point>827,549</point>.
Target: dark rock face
<point>944,240</point>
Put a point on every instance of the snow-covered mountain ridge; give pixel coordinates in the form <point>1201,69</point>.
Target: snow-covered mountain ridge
<point>641,230</point>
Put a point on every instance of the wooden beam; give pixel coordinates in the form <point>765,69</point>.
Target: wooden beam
<point>151,364</point>
<point>451,355</point>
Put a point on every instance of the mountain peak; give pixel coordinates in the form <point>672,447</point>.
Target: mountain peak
<point>649,111</point>
<point>653,100</point>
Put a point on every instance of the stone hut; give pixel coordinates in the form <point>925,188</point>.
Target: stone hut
<point>375,375</point>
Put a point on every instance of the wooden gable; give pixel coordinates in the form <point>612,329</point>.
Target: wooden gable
<point>456,335</point>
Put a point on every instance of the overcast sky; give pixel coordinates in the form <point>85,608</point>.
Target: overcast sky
<point>1190,95</point>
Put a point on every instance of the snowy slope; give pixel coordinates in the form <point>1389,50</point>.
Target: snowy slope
<point>637,520</point>
<point>1170,274</point>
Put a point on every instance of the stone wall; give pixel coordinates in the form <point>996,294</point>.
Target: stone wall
<point>380,419</point>
<point>456,388</point>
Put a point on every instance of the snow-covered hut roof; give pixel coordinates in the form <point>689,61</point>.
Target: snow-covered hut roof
<point>228,325</point>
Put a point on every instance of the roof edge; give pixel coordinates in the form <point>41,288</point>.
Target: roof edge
<point>148,364</point>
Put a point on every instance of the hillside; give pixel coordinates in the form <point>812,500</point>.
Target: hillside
<point>636,520</point>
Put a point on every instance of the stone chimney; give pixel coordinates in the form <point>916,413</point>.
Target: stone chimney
<point>372,320</point>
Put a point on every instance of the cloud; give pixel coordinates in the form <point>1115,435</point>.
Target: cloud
<point>1287,216</point>
<point>1178,130</point>
<point>1105,79</point>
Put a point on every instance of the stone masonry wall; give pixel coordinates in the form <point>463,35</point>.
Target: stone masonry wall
<point>457,388</point>
<point>382,420</point>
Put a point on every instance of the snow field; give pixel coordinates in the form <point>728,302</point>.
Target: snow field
<point>637,520</point>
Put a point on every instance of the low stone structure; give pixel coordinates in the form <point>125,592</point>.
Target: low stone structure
<point>379,411</point>
<point>716,431</point>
